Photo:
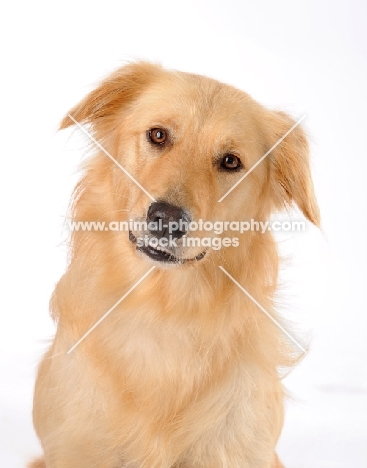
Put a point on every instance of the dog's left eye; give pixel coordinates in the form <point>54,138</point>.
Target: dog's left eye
<point>230,162</point>
<point>158,136</point>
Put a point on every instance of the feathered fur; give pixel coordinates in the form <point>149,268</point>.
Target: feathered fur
<point>185,371</point>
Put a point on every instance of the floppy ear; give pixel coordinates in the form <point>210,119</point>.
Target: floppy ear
<point>112,94</point>
<point>290,169</point>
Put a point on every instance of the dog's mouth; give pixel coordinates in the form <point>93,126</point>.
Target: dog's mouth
<point>160,254</point>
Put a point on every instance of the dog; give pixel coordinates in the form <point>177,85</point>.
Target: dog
<point>184,370</point>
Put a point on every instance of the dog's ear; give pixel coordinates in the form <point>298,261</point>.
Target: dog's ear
<point>290,169</point>
<point>112,94</point>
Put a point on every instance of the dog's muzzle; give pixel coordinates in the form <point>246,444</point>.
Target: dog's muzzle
<point>166,225</point>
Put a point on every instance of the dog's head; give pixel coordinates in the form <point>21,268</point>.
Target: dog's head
<point>180,142</point>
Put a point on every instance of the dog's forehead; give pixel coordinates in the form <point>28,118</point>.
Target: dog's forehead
<point>185,97</point>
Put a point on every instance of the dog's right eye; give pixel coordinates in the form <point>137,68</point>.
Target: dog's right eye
<point>158,136</point>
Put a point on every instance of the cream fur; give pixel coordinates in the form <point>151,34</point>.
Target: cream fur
<point>184,373</point>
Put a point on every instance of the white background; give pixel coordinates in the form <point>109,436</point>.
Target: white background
<point>306,57</point>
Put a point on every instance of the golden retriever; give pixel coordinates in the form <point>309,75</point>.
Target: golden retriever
<point>184,369</point>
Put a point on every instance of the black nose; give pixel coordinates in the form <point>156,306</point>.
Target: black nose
<point>165,220</point>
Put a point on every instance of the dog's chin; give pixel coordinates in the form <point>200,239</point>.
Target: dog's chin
<point>162,256</point>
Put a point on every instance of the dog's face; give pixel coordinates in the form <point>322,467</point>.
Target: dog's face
<point>187,140</point>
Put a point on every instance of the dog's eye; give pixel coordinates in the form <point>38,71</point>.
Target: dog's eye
<point>230,162</point>
<point>158,136</point>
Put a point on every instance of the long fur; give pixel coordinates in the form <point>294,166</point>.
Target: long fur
<point>185,372</point>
